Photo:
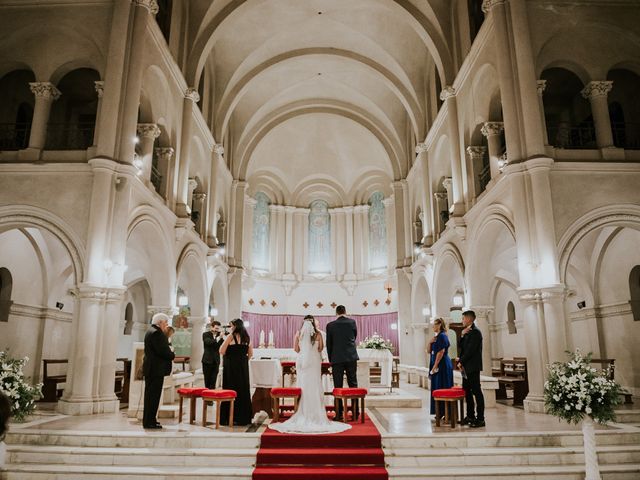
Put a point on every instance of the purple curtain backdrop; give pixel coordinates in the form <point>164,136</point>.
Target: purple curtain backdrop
<point>284,327</point>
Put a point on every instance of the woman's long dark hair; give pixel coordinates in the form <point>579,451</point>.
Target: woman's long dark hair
<point>238,329</point>
<point>309,318</point>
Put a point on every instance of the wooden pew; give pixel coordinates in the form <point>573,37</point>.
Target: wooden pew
<point>50,390</point>
<point>514,376</point>
<point>496,367</point>
<point>123,379</point>
<point>609,365</point>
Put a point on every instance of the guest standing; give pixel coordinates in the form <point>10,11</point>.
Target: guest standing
<point>237,351</point>
<point>5,413</point>
<point>211,356</point>
<point>440,366</point>
<point>156,364</point>
<point>470,362</point>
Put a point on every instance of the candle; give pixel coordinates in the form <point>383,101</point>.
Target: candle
<point>271,338</point>
<point>262,338</point>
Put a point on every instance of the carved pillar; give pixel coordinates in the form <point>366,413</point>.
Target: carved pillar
<point>440,202</point>
<point>597,93</point>
<point>541,86</point>
<point>493,132</point>
<point>191,97</point>
<point>339,236</point>
<point>99,86</point>
<point>147,133</point>
<point>247,229</point>
<point>361,239</point>
<point>288,242</point>
<point>427,205</point>
<point>273,239</point>
<point>537,356</point>
<point>482,320</point>
<point>301,228</point>
<point>199,205</point>
<point>349,251</point>
<point>197,347</point>
<point>556,325</point>
<point>166,167</point>
<point>403,235</point>
<point>390,220</point>
<point>279,226</point>
<point>46,93</point>
<point>238,194</point>
<point>456,205</point>
<point>476,157</point>
<point>217,157</point>
<point>143,12</point>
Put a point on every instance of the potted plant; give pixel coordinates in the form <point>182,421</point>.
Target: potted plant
<point>578,393</point>
<point>21,394</point>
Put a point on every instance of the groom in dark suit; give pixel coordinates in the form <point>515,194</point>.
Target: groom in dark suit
<point>341,348</point>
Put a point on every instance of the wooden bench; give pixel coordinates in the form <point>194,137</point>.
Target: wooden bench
<point>496,367</point>
<point>50,390</point>
<point>395,373</point>
<point>123,379</point>
<point>609,365</point>
<point>513,375</point>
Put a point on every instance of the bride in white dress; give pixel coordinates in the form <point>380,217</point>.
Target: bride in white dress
<point>311,416</point>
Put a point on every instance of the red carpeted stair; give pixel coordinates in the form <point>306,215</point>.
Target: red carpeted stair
<point>354,454</point>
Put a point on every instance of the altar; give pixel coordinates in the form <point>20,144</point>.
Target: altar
<point>368,357</point>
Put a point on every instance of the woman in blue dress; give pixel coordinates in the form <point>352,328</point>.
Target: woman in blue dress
<point>440,366</point>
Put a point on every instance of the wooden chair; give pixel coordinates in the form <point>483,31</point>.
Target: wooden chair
<point>50,390</point>
<point>514,376</point>
<point>281,393</point>
<point>353,394</point>
<point>288,368</point>
<point>209,397</point>
<point>192,394</point>
<point>444,397</point>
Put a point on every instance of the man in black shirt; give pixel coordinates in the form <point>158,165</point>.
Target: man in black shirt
<point>211,355</point>
<point>470,362</point>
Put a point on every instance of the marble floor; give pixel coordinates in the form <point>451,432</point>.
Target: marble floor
<point>390,421</point>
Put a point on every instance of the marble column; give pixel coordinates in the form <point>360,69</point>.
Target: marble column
<point>390,221</point>
<point>191,98</point>
<point>216,158</point>
<point>541,87</point>
<point>300,220</point>
<point>483,314</point>
<point>349,250</point>
<point>197,347</point>
<point>403,235</point>
<point>147,133</point>
<point>556,325</point>
<point>199,205</point>
<point>537,356</point>
<point>166,167</point>
<point>99,86</point>
<point>234,248</point>
<point>288,242</point>
<point>440,203</point>
<point>143,13</point>
<point>108,347</point>
<point>456,207</point>
<point>280,239</point>
<point>247,247</point>
<point>493,132</point>
<point>476,156</point>
<point>360,239</point>
<point>428,225</point>
<point>45,93</point>
<point>596,93</point>
<point>273,239</point>
<point>339,235</point>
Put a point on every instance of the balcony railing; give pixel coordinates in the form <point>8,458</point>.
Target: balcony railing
<point>626,135</point>
<point>564,135</point>
<point>484,178</point>
<point>14,136</point>
<point>70,136</point>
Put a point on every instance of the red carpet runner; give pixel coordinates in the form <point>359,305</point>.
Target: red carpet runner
<point>354,454</point>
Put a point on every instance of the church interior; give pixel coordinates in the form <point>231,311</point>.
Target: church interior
<point>272,159</point>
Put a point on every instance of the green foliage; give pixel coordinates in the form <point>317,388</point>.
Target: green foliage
<point>22,395</point>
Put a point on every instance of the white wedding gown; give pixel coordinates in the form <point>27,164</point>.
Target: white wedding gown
<point>311,416</point>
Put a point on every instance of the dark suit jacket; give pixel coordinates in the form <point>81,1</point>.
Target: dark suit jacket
<point>211,352</point>
<point>341,340</point>
<point>471,350</point>
<point>157,354</point>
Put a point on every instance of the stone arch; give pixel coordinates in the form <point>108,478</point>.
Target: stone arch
<point>192,278</point>
<point>448,277</point>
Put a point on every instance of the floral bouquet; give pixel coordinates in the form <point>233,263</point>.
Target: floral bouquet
<point>21,394</point>
<point>575,389</point>
<point>376,342</point>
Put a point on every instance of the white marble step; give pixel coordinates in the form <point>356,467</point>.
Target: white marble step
<point>410,457</point>
<point>628,416</point>
<point>491,439</point>
<point>137,439</point>
<point>195,457</point>
<point>82,472</point>
<point>570,472</point>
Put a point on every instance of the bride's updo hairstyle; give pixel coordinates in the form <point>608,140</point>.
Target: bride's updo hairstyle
<point>238,329</point>
<point>312,321</point>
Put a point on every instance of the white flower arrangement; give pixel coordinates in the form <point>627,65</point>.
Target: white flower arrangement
<point>574,390</point>
<point>376,342</point>
<point>22,395</point>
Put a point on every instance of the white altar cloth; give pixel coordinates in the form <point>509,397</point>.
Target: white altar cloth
<point>383,357</point>
<point>265,372</point>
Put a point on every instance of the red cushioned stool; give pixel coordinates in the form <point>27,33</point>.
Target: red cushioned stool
<point>219,397</point>
<point>278,393</point>
<point>355,394</point>
<point>446,396</point>
<point>288,368</point>
<point>192,394</point>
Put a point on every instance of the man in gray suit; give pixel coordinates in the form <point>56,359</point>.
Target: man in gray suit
<point>341,348</point>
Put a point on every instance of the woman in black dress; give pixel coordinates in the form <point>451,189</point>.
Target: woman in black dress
<point>237,351</point>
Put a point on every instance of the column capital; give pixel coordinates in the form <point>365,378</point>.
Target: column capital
<point>218,149</point>
<point>482,311</point>
<point>440,195</point>
<point>543,294</point>
<point>45,90</point>
<point>165,152</point>
<point>192,183</point>
<point>490,129</point>
<point>487,5</point>
<point>192,94</point>
<point>476,152</point>
<point>199,195</point>
<point>361,208</point>
<point>99,86</point>
<point>541,86</point>
<point>387,202</point>
<point>167,310</point>
<point>597,89</point>
<point>421,148</point>
<point>148,130</point>
<point>447,183</point>
<point>447,92</point>
<point>289,209</point>
<point>250,201</point>
<point>277,208</point>
<point>151,5</point>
